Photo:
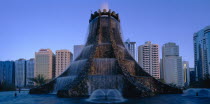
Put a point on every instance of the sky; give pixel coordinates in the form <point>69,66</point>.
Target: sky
<point>29,25</point>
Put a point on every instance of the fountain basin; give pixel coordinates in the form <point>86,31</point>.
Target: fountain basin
<point>198,92</point>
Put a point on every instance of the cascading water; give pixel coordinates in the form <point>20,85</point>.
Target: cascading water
<point>77,66</point>
<point>105,82</point>
<point>86,52</point>
<point>104,75</point>
<point>106,96</point>
<point>61,82</point>
<point>104,66</point>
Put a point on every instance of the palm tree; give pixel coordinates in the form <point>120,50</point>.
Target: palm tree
<point>39,80</point>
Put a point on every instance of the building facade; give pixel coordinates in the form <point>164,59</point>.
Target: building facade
<point>29,72</point>
<point>7,73</point>
<point>201,41</point>
<point>131,47</point>
<point>186,70</point>
<point>148,58</point>
<point>161,70</point>
<point>20,73</point>
<point>1,72</point>
<point>77,50</point>
<point>172,64</point>
<point>192,75</point>
<point>63,60</point>
<point>44,63</point>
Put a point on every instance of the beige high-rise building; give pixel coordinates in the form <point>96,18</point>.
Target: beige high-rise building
<point>63,60</point>
<point>148,58</point>
<point>44,63</point>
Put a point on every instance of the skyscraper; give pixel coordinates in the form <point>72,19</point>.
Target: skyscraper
<point>172,64</point>
<point>201,41</point>
<point>44,63</point>
<point>20,73</point>
<point>63,59</point>
<point>186,70</point>
<point>161,70</point>
<point>148,58</point>
<point>7,73</point>
<point>131,47</point>
<point>192,75</point>
<point>77,50</point>
<point>1,71</point>
<point>29,72</point>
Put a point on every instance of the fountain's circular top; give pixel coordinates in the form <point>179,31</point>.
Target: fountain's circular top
<point>104,12</point>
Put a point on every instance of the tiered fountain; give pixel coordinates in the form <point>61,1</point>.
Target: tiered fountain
<point>105,69</point>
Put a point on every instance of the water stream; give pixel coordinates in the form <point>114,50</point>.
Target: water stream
<point>106,96</point>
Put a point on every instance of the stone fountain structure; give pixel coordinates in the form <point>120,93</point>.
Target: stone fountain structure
<point>104,63</point>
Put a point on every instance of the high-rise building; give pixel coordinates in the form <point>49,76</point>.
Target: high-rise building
<point>161,70</point>
<point>186,70</point>
<point>44,63</point>
<point>192,75</point>
<point>77,50</point>
<point>201,41</point>
<point>7,73</point>
<point>1,71</point>
<point>63,59</point>
<point>131,47</point>
<point>172,64</point>
<point>148,58</point>
<point>29,72</point>
<point>20,73</point>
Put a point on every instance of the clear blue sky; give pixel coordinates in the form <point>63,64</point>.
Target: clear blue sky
<point>28,25</point>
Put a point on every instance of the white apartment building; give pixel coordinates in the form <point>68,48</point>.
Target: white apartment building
<point>148,58</point>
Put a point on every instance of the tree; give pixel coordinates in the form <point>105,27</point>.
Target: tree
<point>39,80</point>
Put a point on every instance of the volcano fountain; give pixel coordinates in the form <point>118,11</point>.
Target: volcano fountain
<point>105,68</point>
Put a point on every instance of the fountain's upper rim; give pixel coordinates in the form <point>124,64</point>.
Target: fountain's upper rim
<point>104,12</point>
